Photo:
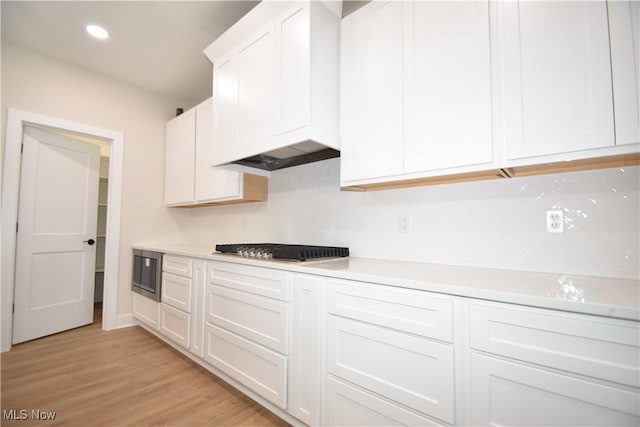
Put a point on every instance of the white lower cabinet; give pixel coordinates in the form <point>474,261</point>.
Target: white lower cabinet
<point>175,325</point>
<point>543,367</point>
<point>348,405</point>
<point>339,352</point>
<point>406,310</point>
<point>176,291</point>
<point>505,392</point>
<point>305,359</point>
<point>176,296</point>
<point>390,355</point>
<point>262,370</point>
<point>266,282</point>
<point>259,319</point>
<point>146,311</point>
<point>248,315</point>
<point>178,265</point>
<point>413,371</point>
<point>586,345</point>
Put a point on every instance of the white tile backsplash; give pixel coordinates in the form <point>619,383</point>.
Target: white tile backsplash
<point>496,224</point>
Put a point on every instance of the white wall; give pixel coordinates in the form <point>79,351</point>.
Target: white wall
<point>497,224</point>
<point>43,85</point>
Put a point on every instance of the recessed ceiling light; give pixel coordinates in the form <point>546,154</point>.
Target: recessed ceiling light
<point>97,32</point>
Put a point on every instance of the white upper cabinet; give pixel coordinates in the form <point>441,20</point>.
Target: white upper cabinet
<point>557,77</point>
<point>190,180</point>
<point>211,183</point>
<point>624,29</point>
<point>416,90</point>
<point>276,81</point>
<point>485,89</point>
<point>371,91</point>
<point>179,159</point>
<point>447,85</point>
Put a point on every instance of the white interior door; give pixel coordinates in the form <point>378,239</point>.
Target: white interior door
<point>55,261</point>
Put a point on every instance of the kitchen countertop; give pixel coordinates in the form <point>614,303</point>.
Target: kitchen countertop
<point>611,297</point>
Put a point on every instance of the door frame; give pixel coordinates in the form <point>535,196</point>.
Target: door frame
<point>16,120</point>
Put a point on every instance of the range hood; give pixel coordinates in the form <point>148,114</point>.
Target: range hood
<point>276,94</point>
<point>289,156</point>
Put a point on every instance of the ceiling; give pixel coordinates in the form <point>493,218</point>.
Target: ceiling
<point>156,45</point>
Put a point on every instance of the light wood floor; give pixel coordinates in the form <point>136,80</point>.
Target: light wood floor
<point>127,377</point>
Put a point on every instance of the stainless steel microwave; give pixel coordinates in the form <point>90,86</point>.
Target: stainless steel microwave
<point>147,273</point>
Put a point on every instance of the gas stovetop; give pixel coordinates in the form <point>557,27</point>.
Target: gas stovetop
<point>281,251</point>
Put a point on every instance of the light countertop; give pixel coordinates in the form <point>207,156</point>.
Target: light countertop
<point>611,297</point>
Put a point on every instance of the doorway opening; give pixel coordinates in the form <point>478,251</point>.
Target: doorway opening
<point>16,121</point>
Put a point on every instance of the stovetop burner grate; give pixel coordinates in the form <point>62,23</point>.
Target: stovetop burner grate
<point>282,251</point>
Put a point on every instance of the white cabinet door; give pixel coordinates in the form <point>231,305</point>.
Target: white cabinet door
<point>176,291</point>
<point>256,89</point>
<point>371,92</point>
<point>597,347</point>
<point>178,265</point>
<point>225,107</point>
<point>416,90</point>
<point>211,183</point>
<point>175,324</point>
<point>262,370</point>
<point>513,394</point>
<point>259,319</point>
<point>624,29</point>
<point>415,372</point>
<point>406,310</point>
<point>180,158</point>
<point>147,311</point>
<point>293,100</point>
<point>306,349</point>
<point>557,77</point>
<point>266,282</point>
<point>565,368</point>
<point>447,85</point>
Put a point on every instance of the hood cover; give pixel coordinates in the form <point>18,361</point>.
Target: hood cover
<point>271,162</point>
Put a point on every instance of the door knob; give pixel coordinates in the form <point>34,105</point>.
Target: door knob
<point>90,242</point>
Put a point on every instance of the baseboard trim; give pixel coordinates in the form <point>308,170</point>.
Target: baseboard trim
<point>126,321</point>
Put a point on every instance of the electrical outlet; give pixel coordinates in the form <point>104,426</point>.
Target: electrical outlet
<point>404,225</point>
<point>555,221</point>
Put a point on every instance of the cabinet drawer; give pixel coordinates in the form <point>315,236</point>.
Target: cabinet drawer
<point>416,372</point>
<point>261,281</point>
<point>182,266</point>
<point>509,393</point>
<point>259,319</point>
<point>175,325</point>
<point>147,311</point>
<point>258,368</point>
<point>346,405</point>
<point>406,310</point>
<point>176,291</point>
<point>589,345</point>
